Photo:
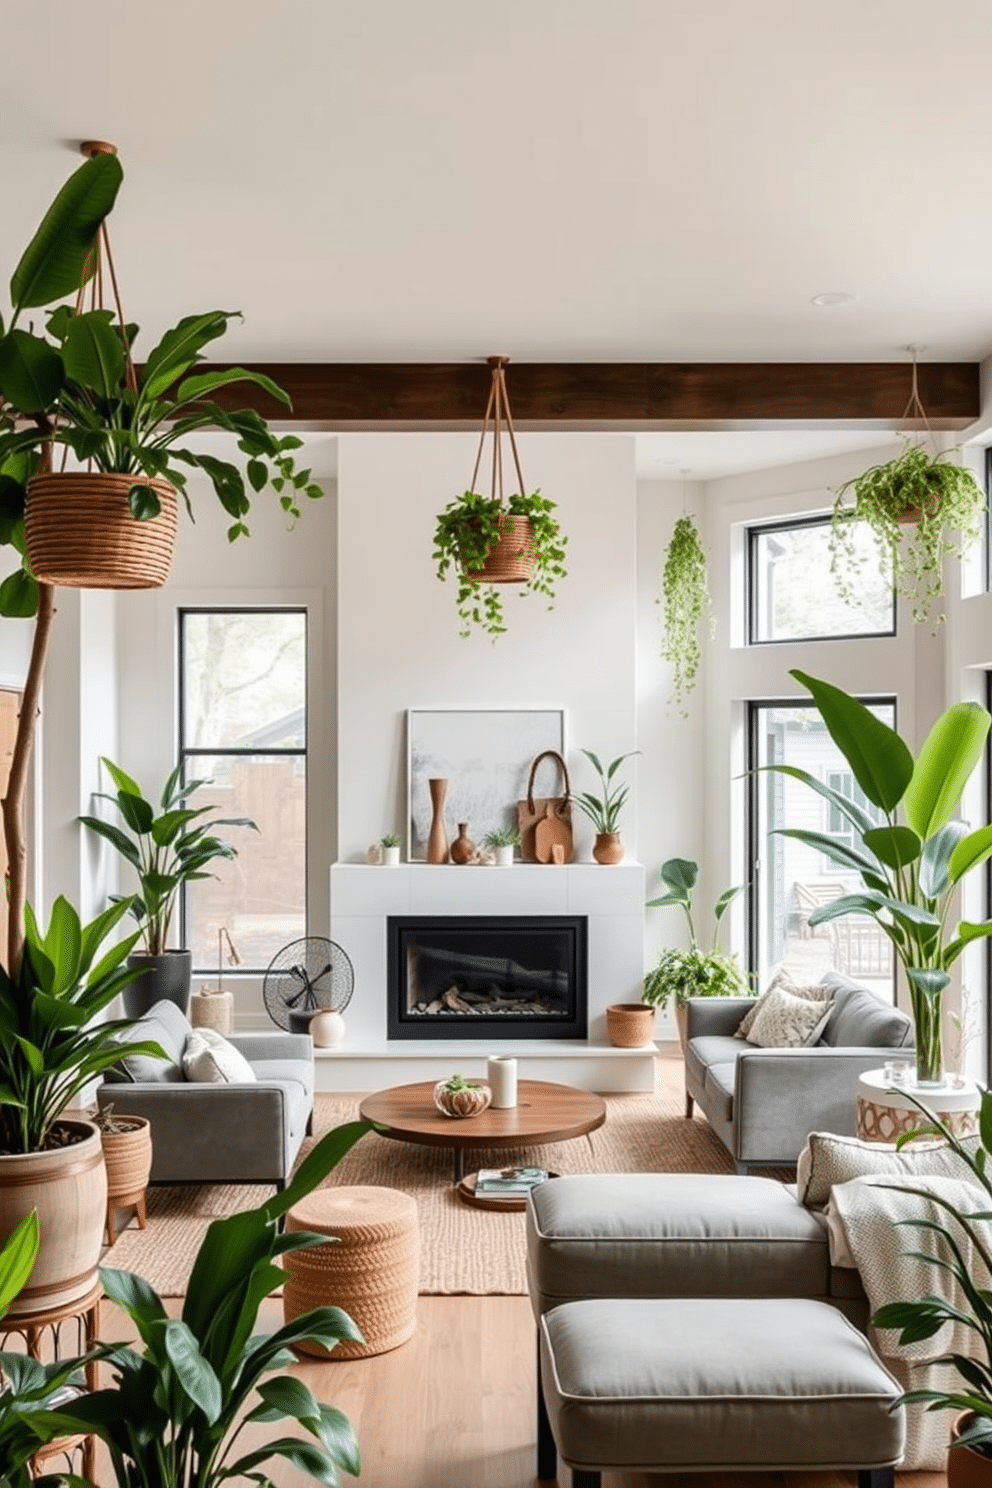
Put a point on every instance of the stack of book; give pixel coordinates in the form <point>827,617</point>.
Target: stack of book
<point>508,1182</point>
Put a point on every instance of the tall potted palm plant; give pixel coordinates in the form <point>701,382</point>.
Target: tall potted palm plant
<point>911,862</point>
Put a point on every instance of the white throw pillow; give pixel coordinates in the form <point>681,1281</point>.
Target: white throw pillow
<point>208,1059</point>
<point>828,1159</point>
<point>815,992</point>
<point>785,1021</point>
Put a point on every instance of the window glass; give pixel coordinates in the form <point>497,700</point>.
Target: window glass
<point>792,592</point>
<point>791,879</point>
<point>243,730</point>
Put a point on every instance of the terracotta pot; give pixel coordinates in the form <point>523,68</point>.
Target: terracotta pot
<point>463,848</point>
<point>461,1103</point>
<point>965,1467</point>
<point>630,1025</point>
<point>608,848</point>
<point>80,532</point>
<point>68,1187</point>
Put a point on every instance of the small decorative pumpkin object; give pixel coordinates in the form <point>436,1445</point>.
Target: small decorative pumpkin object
<point>460,1097</point>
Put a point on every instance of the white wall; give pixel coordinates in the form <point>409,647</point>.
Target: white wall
<point>398,632</point>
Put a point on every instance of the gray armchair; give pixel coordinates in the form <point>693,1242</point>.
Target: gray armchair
<point>206,1133</point>
<point>763,1103</point>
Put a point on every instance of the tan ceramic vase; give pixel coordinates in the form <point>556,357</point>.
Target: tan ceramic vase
<point>471,1101</point>
<point>437,838</point>
<point>463,848</point>
<point>608,848</point>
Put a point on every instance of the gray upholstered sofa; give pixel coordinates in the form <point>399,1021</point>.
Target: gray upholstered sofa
<point>216,1133</point>
<point>763,1103</point>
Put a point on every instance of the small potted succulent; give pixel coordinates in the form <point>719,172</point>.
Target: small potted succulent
<point>921,509</point>
<point>681,974</point>
<point>604,810</point>
<point>460,1097</point>
<point>390,845</point>
<point>501,841</point>
<point>487,542</point>
<point>685,605</point>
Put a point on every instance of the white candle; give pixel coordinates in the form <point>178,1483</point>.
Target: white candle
<point>502,1076</point>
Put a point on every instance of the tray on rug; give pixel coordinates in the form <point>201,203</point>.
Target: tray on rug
<point>463,1249</point>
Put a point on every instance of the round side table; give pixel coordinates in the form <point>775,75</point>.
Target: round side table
<point>43,1338</point>
<point>886,1110</point>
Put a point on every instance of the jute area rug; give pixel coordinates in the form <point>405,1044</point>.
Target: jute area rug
<point>463,1249</point>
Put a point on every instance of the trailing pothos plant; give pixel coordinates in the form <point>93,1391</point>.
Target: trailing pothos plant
<point>465,535</point>
<point>685,604</point>
<point>71,385</point>
<point>921,508</point>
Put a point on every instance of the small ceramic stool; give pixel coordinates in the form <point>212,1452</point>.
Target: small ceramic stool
<point>371,1270</point>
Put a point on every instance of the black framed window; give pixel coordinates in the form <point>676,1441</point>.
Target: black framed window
<point>243,728</point>
<point>788,879</point>
<point>793,596</point>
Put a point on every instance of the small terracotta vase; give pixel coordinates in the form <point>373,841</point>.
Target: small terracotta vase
<point>463,848</point>
<point>608,848</point>
<point>630,1025</point>
<point>437,837</point>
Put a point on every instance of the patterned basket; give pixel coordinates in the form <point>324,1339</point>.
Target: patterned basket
<point>512,559</point>
<point>80,532</point>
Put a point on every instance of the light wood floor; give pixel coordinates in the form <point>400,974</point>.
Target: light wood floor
<point>454,1407</point>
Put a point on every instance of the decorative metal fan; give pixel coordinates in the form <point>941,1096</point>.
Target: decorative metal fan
<point>307,976</point>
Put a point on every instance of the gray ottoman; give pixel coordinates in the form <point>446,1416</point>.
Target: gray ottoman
<point>703,1384</point>
<point>671,1235</point>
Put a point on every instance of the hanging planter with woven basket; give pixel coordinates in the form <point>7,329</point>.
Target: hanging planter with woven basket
<point>920,507</point>
<point>492,540</point>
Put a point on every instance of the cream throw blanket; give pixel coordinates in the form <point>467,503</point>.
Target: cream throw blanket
<point>865,1218</point>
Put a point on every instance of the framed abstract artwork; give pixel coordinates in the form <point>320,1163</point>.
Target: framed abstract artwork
<point>485,755</point>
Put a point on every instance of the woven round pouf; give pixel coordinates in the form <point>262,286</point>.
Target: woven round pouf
<point>371,1271</point>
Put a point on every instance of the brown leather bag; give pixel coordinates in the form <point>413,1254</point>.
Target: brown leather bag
<point>546,821</point>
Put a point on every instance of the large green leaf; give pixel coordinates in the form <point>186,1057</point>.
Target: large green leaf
<point>51,266</point>
<point>969,852</point>
<point>879,759</point>
<point>848,808</point>
<point>17,1259</point>
<point>831,847</point>
<point>93,353</point>
<point>31,372</point>
<point>207,382</point>
<point>194,1373</point>
<point>19,596</point>
<point>896,847</point>
<point>680,874</point>
<point>180,347</point>
<point>966,932</point>
<point>944,765</point>
<point>935,862</point>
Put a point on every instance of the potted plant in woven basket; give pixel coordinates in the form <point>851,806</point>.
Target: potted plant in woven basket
<point>921,508</point>
<point>127,1154</point>
<point>490,540</point>
<point>681,974</point>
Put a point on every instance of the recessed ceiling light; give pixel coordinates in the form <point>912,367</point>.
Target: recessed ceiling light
<point>831,298</point>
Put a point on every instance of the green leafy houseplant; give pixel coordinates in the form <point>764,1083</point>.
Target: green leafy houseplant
<point>391,839</point>
<point>921,509</point>
<point>28,1386</point>
<point>502,837</point>
<point>72,384</point>
<point>910,868</point>
<point>923,1317</point>
<point>166,850</point>
<point>604,810</point>
<point>466,535</point>
<point>694,972</point>
<point>685,603</point>
<point>52,1038</point>
<point>174,1414</point>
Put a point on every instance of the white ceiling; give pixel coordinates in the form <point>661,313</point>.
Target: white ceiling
<point>561,180</point>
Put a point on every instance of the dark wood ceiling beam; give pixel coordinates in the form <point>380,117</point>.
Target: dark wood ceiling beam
<point>634,395</point>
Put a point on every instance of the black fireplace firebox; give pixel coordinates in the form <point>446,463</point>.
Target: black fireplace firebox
<point>481,976</point>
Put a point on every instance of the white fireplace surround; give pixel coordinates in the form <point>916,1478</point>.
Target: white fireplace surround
<point>612,899</point>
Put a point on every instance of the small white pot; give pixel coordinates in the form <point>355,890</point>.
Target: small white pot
<point>504,856</point>
<point>390,857</point>
<point>327,1029</point>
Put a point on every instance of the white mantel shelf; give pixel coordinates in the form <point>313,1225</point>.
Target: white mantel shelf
<point>612,898</point>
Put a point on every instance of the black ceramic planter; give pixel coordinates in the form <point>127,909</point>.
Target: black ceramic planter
<point>163,977</point>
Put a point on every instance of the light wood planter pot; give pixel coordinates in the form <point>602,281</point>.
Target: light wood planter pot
<point>68,1187</point>
<point>128,1156</point>
<point>630,1025</point>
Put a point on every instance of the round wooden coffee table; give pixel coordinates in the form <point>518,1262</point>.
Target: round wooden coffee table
<point>543,1113</point>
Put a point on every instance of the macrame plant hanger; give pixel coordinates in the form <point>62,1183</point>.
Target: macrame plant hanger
<point>914,413</point>
<point>512,560</point>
